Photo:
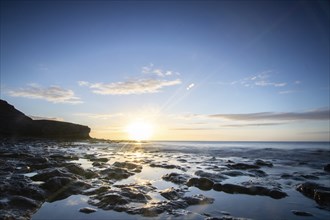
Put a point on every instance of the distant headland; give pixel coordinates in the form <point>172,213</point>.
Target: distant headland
<point>14,123</point>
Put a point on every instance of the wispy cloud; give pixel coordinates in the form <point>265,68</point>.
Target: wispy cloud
<point>99,116</point>
<point>259,80</point>
<point>287,92</point>
<point>318,114</point>
<point>54,94</point>
<point>140,86</point>
<point>251,125</point>
<point>150,69</point>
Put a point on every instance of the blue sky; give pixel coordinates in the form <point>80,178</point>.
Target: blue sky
<point>198,70</point>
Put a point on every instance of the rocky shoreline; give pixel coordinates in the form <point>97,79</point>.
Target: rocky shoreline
<point>36,171</point>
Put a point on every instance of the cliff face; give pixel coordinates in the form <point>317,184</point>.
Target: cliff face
<point>14,123</point>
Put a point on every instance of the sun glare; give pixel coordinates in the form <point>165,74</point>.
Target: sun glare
<point>139,130</point>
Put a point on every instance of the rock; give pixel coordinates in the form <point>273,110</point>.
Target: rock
<point>16,124</point>
<point>171,193</point>
<point>242,166</point>
<point>315,191</point>
<point>78,170</point>
<point>103,160</point>
<point>166,166</point>
<point>198,200</point>
<point>327,167</point>
<point>301,213</point>
<point>46,174</point>
<point>23,202</point>
<point>263,163</point>
<point>233,173</point>
<point>176,178</point>
<point>130,166</point>
<point>251,190</point>
<point>216,177</point>
<point>201,183</point>
<point>59,188</point>
<point>116,173</point>
<point>258,173</point>
<point>87,210</point>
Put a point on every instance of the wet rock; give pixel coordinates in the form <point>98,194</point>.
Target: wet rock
<point>116,173</point>
<point>103,160</point>
<point>301,213</point>
<point>176,178</point>
<point>172,194</point>
<point>263,163</point>
<point>22,186</point>
<point>110,200</point>
<point>233,173</point>
<point>130,166</point>
<point>201,183</point>
<point>242,166</point>
<point>78,170</point>
<point>24,202</point>
<point>258,173</point>
<point>315,191</point>
<point>44,175</point>
<point>327,167</point>
<point>198,200</point>
<point>251,190</point>
<point>99,190</point>
<point>62,187</point>
<point>216,177</point>
<point>87,210</point>
<point>166,166</point>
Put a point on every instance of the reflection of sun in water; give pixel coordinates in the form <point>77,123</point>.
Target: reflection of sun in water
<point>139,130</point>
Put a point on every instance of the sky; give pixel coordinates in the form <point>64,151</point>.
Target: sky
<point>190,70</point>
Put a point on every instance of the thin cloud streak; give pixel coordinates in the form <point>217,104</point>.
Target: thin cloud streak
<point>99,116</point>
<point>251,125</point>
<point>320,114</point>
<point>157,71</point>
<point>140,86</point>
<point>54,94</point>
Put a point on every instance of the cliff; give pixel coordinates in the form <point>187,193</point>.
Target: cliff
<point>14,123</point>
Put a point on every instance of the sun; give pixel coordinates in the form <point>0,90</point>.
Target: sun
<point>139,130</point>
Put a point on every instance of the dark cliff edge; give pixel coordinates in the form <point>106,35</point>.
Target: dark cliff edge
<point>14,123</point>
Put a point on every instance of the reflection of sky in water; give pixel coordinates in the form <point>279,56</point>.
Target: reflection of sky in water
<point>196,157</point>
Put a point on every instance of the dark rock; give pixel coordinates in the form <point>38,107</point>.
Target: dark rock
<point>103,160</point>
<point>172,194</point>
<point>176,178</point>
<point>166,166</point>
<point>198,200</point>
<point>130,166</point>
<point>16,124</point>
<point>21,185</point>
<point>44,175</point>
<point>233,173</point>
<point>242,166</point>
<point>315,191</point>
<point>94,191</point>
<point>116,173</point>
<point>251,190</point>
<point>62,187</point>
<point>216,177</point>
<point>327,167</point>
<point>87,210</point>
<point>78,170</point>
<point>263,163</point>
<point>301,213</point>
<point>258,173</point>
<point>201,183</point>
<point>24,202</point>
